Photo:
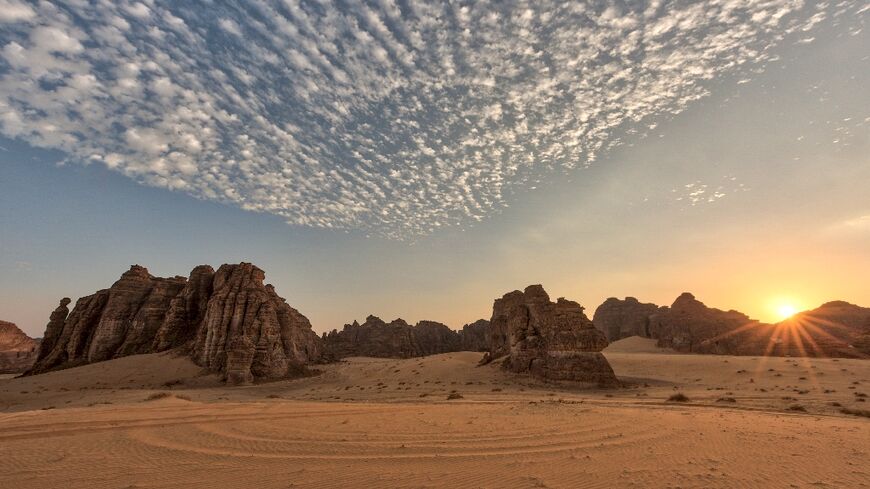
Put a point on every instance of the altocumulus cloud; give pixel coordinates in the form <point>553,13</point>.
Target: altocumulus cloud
<point>389,117</point>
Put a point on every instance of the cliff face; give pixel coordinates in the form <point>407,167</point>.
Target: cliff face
<point>397,339</point>
<point>17,350</point>
<point>623,318</point>
<point>228,321</point>
<point>550,340</point>
<point>475,336</point>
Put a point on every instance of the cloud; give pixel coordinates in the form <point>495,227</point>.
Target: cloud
<point>394,118</point>
<point>15,11</point>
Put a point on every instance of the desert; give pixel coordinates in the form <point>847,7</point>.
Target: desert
<point>364,422</point>
<point>444,244</point>
<point>548,403</point>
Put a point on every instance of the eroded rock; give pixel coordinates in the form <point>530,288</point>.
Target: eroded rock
<point>552,340</point>
<point>228,321</point>
<point>17,350</point>
<point>623,318</point>
<point>396,339</point>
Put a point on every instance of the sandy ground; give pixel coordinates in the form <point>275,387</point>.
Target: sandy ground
<point>749,422</point>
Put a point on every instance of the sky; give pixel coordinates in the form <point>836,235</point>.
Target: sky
<point>419,159</point>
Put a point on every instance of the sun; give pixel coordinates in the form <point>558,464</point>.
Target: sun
<point>786,311</point>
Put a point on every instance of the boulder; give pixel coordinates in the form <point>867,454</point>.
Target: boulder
<point>228,321</point>
<point>551,340</point>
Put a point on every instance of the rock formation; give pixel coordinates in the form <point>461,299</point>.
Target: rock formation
<point>17,350</point>
<point>549,340</point>
<point>396,339</point>
<point>835,329</point>
<point>227,321</point>
<point>692,327</point>
<point>475,336</point>
<point>623,318</point>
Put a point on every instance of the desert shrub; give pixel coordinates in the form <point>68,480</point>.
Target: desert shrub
<point>856,412</point>
<point>678,397</point>
<point>726,399</point>
<point>454,395</point>
<point>797,408</point>
<point>158,395</point>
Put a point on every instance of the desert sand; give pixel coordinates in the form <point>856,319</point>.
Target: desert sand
<point>159,421</point>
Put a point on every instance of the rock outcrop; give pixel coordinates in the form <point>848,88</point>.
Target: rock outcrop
<point>396,339</point>
<point>475,336</point>
<point>690,326</point>
<point>620,319</point>
<point>551,340</point>
<point>835,329</point>
<point>17,350</point>
<point>227,321</point>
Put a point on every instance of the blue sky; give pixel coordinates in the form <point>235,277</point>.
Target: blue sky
<point>419,159</point>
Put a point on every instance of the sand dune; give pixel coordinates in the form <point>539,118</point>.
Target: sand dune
<point>387,423</point>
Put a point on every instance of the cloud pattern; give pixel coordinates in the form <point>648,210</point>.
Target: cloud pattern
<point>390,117</point>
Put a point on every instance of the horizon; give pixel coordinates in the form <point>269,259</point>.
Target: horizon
<point>589,310</point>
<point>610,151</point>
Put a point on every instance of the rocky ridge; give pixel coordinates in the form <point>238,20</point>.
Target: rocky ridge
<point>398,339</point>
<point>835,329</point>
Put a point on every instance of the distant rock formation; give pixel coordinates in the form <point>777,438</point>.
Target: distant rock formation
<point>690,326</point>
<point>475,336</point>
<point>17,350</point>
<point>620,319</point>
<point>398,339</point>
<point>227,321</point>
<point>549,340</point>
<point>835,329</point>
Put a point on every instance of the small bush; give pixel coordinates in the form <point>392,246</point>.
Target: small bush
<point>856,412</point>
<point>797,408</point>
<point>726,399</point>
<point>678,397</point>
<point>158,395</point>
<point>454,395</point>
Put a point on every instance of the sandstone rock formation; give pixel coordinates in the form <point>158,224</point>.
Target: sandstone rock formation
<point>690,326</point>
<point>396,339</point>
<point>549,340</point>
<point>835,329</point>
<point>17,350</point>
<point>623,318</point>
<point>227,321</point>
<point>475,336</point>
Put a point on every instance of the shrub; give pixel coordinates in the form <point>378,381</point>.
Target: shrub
<point>678,397</point>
